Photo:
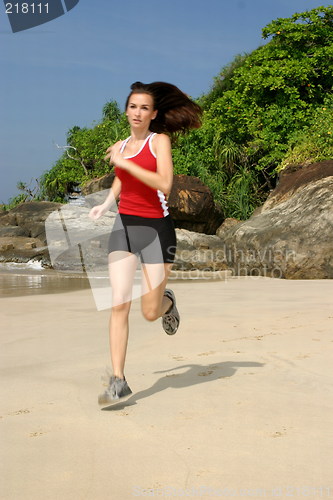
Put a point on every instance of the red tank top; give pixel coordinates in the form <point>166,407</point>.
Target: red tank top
<point>136,198</point>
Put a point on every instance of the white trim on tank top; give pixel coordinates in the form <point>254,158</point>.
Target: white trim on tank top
<point>163,202</point>
<point>143,145</point>
<point>151,144</point>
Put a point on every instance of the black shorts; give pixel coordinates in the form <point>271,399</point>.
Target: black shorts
<point>154,240</point>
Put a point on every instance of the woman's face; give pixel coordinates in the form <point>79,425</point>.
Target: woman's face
<point>140,110</point>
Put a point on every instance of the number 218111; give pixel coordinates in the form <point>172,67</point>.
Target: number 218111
<point>26,8</point>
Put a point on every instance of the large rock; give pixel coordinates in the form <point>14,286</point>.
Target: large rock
<point>199,252</point>
<point>23,249</point>
<point>22,232</point>
<point>29,218</point>
<point>13,231</point>
<point>98,184</point>
<point>228,223</point>
<point>192,205</point>
<point>291,237</point>
<point>294,178</point>
<point>76,242</point>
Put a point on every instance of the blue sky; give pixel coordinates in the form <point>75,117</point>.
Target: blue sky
<point>61,73</point>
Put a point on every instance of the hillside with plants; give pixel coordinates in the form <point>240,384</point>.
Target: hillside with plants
<point>265,110</point>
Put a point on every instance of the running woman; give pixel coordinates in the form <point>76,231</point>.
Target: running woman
<point>143,226</point>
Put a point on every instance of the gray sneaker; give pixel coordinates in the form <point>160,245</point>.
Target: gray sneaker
<point>117,389</point>
<point>171,319</point>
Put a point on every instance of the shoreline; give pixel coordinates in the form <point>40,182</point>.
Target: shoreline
<point>17,279</point>
<point>20,279</point>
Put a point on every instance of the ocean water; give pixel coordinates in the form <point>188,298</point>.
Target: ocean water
<point>31,279</point>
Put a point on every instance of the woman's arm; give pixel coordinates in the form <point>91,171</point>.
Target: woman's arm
<point>162,178</point>
<point>99,210</point>
<point>113,193</point>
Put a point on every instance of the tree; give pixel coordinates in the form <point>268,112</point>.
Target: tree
<point>111,112</point>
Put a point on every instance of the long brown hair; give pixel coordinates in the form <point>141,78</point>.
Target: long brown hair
<point>176,111</point>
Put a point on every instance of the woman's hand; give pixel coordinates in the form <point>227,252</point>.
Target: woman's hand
<point>98,211</point>
<point>110,201</point>
<point>114,155</point>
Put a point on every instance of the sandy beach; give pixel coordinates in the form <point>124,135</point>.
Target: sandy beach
<point>237,404</point>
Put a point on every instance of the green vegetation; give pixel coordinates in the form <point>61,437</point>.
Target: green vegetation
<point>265,110</point>
<point>28,192</point>
<point>83,159</point>
<point>314,142</point>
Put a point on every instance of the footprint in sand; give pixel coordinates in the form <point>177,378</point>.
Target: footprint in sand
<point>204,374</point>
<point>178,358</point>
<point>203,472</point>
<point>19,412</point>
<point>277,434</point>
<point>37,433</point>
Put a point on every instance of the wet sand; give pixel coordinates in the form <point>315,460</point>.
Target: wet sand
<point>15,284</point>
<point>237,404</point>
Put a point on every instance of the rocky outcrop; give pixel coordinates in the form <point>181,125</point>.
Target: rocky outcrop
<point>192,206</point>
<point>98,184</point>
<point>291,237</point>
<point>227,224</point>
<point>22,249</point>
<point>295,178</point>
<point>27,219</point>
<point>76,242</point>
<point>201,252</point>
<point>22,232</point>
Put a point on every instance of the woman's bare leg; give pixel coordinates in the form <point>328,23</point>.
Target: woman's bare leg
<point>153,302</point>
<point>122,267</point>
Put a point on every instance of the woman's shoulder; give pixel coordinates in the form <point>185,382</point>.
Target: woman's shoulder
<point>122,143</point>
<point>118,143</point>
<point>124,140</point>
<point>160,142</point>
<point>161,138</point>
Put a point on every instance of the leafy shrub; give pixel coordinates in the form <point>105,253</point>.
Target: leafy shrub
<point>315,142</point>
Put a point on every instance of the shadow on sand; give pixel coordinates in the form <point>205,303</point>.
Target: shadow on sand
<point>195,374</point>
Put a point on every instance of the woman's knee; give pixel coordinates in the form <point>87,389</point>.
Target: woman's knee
<point>150,313</point>
<point>120,306</point>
